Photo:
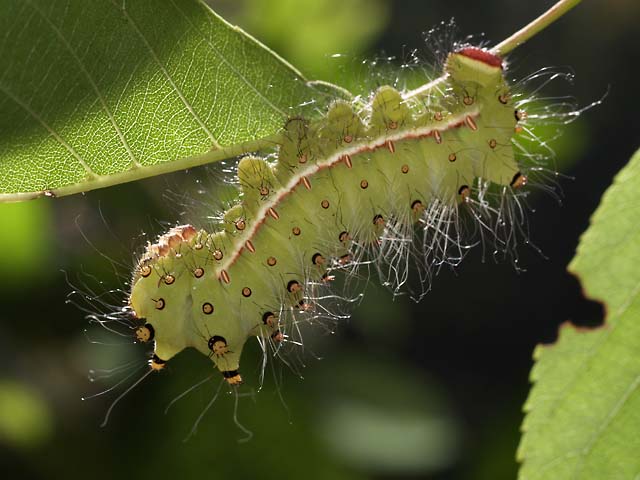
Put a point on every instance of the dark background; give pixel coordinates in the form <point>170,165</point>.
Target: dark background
<point>430,390</point>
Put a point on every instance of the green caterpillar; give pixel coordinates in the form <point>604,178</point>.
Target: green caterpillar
<point>341,189</point>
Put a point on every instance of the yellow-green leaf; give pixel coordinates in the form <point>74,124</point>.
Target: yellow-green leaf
<point>583,419</point>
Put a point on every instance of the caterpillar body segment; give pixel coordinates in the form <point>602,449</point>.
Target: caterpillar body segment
<point>351,186</point>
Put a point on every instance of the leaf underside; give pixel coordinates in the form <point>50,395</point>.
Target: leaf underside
<point>583,418</point>
<point>99,92</point>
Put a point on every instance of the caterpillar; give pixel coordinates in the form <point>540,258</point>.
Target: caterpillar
<point>398,179</point>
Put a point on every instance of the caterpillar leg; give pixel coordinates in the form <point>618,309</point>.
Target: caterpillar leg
<point>232,377</point>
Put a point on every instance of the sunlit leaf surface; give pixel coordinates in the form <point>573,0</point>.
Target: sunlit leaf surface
<point>583,418</point>
<point>98,92</point>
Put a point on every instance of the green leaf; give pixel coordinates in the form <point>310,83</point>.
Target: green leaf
<point>99,92</point>
<point>583,418</point>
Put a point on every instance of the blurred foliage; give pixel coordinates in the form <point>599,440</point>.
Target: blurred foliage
<point>459,360</point>
<point>384,417</point>
<point>298,29</point>
<point>23,254</point>
<point>25,419</point>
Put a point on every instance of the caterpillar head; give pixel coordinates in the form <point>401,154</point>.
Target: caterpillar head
<point>477,79</point>
<point>474,64</point>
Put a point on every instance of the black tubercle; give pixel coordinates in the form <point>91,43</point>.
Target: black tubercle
<point>214,339</point>
<point>152,331</point>
<point>515,178</point>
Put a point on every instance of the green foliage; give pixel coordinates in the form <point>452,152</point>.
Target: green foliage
<point>146,86</point>
<point>98,93</point>
<point>22,253</point>
<point>25,419</point>
<point>298,29</point>
<point>584,410</point>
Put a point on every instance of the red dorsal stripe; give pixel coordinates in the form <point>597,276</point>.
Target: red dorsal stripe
<point>481,55</point>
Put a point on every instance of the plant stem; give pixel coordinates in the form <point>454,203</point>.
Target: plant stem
<point>515,40</point>
<point>540,23</point>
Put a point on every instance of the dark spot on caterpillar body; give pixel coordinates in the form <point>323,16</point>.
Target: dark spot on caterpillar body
<point>207,308</point>
<point>218,345</point>
<point>368,166</point>
<point>294,286</point>
<point>269,319</point>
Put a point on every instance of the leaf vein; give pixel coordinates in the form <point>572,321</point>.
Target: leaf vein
<point>608,419</point>
<point>50,129</point>
<point>216,51</point>
<point>91,81</point>
<point>167,75</point>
